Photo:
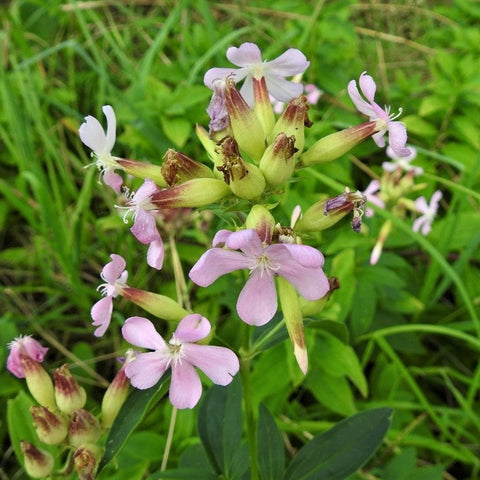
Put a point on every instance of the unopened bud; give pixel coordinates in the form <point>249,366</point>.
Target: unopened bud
<point>262,106</point>
<point>83,428</point>
<point>336,144</point>
<point>39,382</point>
<point>143,170</point>
<point>244,179</point>
<point>247,129</point>
<point>38,462</point>
<point>69,394</point>
<point>278,161</point>
<point>262,221</point>
<point>178,168</point>
<point>85,459</point>
<point>51,428</point>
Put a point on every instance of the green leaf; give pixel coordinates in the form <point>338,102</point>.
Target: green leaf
<point>343,449</point>
<point>130,415</point>
<point>271,453</point>
<point>365,302</point>
<point>176,129</point>
<point>220,425</point>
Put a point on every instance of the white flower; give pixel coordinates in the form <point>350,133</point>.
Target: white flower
<point>429,211</point>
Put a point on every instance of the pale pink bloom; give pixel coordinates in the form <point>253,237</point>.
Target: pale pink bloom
<point>144,228</point>
<point>217,108</point>
<point>397,133</point>
<point>301,265</point>
<point>101,143</point>
<point>248,57</point>
<point>182,354</point>
<point>402,163</point>
<point>115,277</point>
<point>24,346</point>
<point>371,193</point>
<point>311,92</point>
<point>424,222</point>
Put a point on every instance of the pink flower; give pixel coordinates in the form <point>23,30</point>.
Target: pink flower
<point>311,92</point>
<point>402,163</point>
<point>182,354</point>
<point>248,58</point>
<point>93,136</point>
<point>370,192</point>
<point>397,133</point>
<point>145,226</point>
<point>115,276</point>
<point>424,222</point>
<point>301,265</point>
<point>24,346</point>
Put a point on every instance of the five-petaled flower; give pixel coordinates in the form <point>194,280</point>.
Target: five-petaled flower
<point>402,163</point>
<point>145,227</point>
<point>257,303</point>
<point>397,133</point>
<point>24,346</point>
<point>182,354</point>
<point>115,277</point>
<point>248,58</point>
<point>424,222</point>
<point>371,192</point>
<point>93,136</point>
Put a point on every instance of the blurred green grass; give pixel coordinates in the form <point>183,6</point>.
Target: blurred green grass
<point>63,60</point>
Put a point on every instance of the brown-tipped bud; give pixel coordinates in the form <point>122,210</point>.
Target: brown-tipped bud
<point>83,428</point>
<point>324,214</point>
<point>38,462</point>
<point>51,428</point>
<point>312,307</point>
<point>85,459</point>
<point>69,395</point>
<point>244,179</point>
<point>143,170</point>
<point>262,221</point>
<point>178,168</point>
<point>278,161</point>
<point>156,304</point>
<point>198,192</point>
<point>262,106</point>
<point>39,382</point>
<point>336,144</point>
<point>246,127</point>
<point>293,122</point>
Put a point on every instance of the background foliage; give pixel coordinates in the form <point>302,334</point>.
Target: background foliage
<point>409,336</point>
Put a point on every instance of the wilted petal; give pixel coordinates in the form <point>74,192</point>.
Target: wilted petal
<point>185,386</point>
<point>146,369</point>
<point>101,314</point>
<point>33,349</point>
<point>140,332</point>
<point>156,254</point>
<point>192,328</point>
<point>218,363</point>
<point>257,302</point>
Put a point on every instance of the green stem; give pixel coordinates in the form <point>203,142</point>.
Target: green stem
<point>245,359</point>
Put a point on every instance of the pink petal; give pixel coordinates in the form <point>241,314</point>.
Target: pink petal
<point>92,134</point>
<point>358,101</point>
<point>111,127</point>
<point>146,369</point>
<point>220,238</point>
<point>372,187</point>
<point>289,63</point>
<point>113,180</point>
<point>217,262</point>
<point>145,227</point>
<point>257,302</point>
<point>140,332</point>
<point>434,201</point>
<point>34,349</point>
<point>112,270</point>
<point>397,138</point>
<point>215,74</point>
<point>368,87</point>
<point>379,138</point>
<point>192,328</point>
<point>421,205</point>
<point>303,254</point>
<point>185,386</point>
<point>282,89</point>
<point>245,55</point>
<point>101,314</point>
<point>155,254</point>
<point>246,240</point>
<point>218,363</point>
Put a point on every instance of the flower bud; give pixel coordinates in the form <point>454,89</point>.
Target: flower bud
<point>85,459</point>
<point>246,127</point>
<point>83,428</point>
<point>262,221</point>
<point>178,168</point>
<point>69,394</point>
<point>244,179</point>
<point>293,122</point>
<point>159,305</point>
<point>336,144</point>
<point>51,428</point>
<point>262,106</point>
<point>143,170</point>
<point>278,161</point>
<point>39,382</point>
<point>197,192</point>
<point>210,147</point>
<point>24,345</point>
<point>38,463</point>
